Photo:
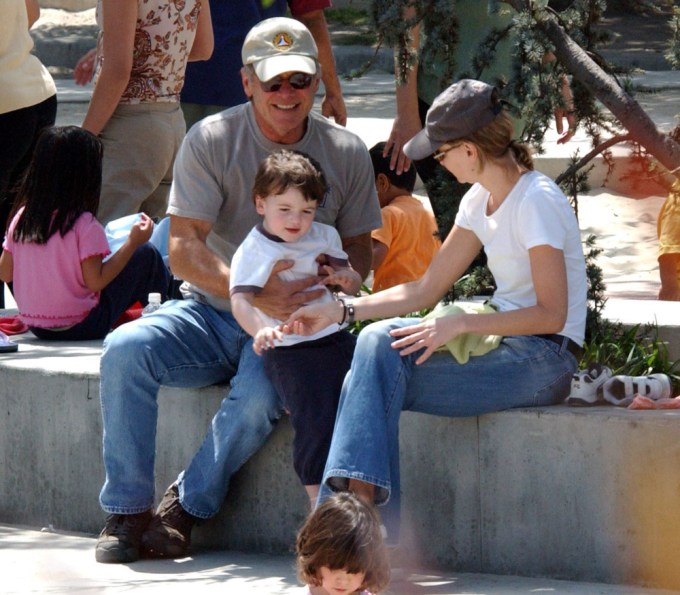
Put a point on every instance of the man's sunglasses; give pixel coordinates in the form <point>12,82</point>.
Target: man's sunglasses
<point>299,81</point>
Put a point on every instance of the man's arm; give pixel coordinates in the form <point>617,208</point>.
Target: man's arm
<point>360,253</point>
<point>379,254</point>
<point>333,104</point>
<point>407,121</point>
<point>192,260</point>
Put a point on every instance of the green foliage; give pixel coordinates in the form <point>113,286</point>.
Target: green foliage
<point>633,351</point>
<point>347,15</point>
<point>673,54</point>
<point>479,281</point>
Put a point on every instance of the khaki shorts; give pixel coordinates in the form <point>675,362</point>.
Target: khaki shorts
<point>140,145</point>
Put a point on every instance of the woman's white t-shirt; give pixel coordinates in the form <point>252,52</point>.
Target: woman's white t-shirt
<point>535,213</point>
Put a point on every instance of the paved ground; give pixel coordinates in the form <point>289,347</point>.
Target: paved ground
<point>44,562</point>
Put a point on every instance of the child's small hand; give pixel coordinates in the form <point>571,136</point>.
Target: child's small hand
<point>141,231</point>
<point>266,338</point>
<point>347,279</point>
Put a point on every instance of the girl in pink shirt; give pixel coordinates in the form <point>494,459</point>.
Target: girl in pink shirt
<point>54,248</point>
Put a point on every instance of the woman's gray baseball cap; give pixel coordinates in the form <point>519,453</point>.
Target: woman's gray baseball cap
<point>460,110</point>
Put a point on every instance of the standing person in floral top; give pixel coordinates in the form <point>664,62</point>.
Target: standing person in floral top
<point>141,58</point>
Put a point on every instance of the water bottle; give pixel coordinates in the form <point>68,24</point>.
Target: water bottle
<point>153,305</point>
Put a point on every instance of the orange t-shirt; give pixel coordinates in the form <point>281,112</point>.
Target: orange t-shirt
<point>409,232</point>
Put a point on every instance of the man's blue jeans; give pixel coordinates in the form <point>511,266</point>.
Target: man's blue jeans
<point>185,344</point>
<point>522,372</point>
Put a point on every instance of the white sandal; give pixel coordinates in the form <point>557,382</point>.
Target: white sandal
<point>621,390</point>
<point>586,385</point>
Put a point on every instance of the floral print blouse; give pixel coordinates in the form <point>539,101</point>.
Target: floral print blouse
<point>163,38</point>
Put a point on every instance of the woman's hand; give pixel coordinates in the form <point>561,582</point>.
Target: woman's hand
<point>266,338</point>
<point>309,320</point>
<point>84,70</point>
<point>429,335</point>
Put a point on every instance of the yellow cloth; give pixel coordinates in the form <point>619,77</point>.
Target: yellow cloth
<point>408,230</point>
<point>468,344</point>
<point>668,224</point>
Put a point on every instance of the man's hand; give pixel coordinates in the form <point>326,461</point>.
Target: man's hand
<point>563,135</point>
<point>333,106</point>
<point>279,299</point>
<point>347,279</point>
<point>406,126</point>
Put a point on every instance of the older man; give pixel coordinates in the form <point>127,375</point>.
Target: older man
<point>196,341</point>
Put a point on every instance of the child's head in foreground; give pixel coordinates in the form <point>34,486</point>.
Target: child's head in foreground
<point>340,547</point>
<point>288,187</point>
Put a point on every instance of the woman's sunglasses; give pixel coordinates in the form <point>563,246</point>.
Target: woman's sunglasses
<point>299,81</point>
<point>441,154</point>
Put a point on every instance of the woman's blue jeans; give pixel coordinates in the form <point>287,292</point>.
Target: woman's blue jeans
<point>523,371</point>
<point>185,344</point>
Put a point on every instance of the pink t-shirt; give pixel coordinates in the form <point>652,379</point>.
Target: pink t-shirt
<point>48,280</point>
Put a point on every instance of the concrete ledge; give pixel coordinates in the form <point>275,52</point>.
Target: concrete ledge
<point>580,494</point>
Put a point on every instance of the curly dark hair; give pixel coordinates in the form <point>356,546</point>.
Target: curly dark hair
<point>343,533</point>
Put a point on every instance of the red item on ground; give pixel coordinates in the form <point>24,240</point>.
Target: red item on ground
<point>12,325</point>
<point>640,402</point>
<point>132,313</point>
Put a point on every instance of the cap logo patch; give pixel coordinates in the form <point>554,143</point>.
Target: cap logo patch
<point>282,41</point>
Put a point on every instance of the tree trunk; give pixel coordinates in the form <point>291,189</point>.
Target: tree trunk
<point>640,126</point>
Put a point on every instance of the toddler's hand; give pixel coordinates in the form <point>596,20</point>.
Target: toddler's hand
<point>141,231</point>
<point>266,338</point>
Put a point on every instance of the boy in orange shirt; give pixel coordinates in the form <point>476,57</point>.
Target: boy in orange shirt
<point>408,239</point>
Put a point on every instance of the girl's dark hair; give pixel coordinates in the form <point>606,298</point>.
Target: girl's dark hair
<point>62,182</point>
<point>285,169</point>
<point>343,533</point>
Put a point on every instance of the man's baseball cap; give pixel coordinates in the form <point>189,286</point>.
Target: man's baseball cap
<point>279,45</point>
<point>460,110</point>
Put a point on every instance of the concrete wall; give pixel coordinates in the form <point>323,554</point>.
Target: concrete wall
<point>560,492</point>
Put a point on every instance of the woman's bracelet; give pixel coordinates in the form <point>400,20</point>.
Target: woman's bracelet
<point>347,311</point>
<point>344,311</point>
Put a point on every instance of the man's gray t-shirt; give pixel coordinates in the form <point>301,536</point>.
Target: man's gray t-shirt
<point>215,170</point>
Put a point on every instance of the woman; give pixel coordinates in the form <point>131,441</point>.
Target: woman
<point>28,101</point>
<point>140,64</point>
<point>532,240</point>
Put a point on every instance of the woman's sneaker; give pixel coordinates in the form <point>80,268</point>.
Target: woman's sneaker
<point>586,386</point>
<point>621,390</point>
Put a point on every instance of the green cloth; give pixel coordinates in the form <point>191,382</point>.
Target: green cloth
<point>476,18</point>
<point>468,344</point>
